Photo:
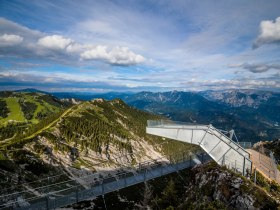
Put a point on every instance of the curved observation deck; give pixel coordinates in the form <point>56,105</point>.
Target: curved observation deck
<point>220,148</point>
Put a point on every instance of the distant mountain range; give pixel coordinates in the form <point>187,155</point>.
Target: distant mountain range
<point>256,118</point>
<point>238,98</point>
<point>253,114</point>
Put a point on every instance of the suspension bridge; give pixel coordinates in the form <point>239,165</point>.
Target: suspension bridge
<point>72,192</point>
<point>216,146</point>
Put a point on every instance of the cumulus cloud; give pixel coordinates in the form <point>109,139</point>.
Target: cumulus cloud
<point>7,40</point>
<point>269,33</point>
<point>99,52</point>
<point>54,42</point>
<point>19,41</point>
<point>115,56</point>
<point>256,68</point>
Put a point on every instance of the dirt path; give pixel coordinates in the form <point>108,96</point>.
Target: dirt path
<point>51,124</point>
<point>46,127</point>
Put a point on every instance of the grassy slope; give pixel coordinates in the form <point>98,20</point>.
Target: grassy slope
<point>15,111</point>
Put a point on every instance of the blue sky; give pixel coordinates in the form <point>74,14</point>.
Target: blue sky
<point>102,46</point>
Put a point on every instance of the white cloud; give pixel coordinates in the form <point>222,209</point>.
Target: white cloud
<point>115,56</point>
<point>99,52</point>
<point>7,40</point>
<point>74,48</point>
<point>123,56</point>
<point>269,32</point>
<point>54,42</point>
<point>35,44</point>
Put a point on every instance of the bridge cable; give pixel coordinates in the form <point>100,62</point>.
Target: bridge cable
<point>104,201</point>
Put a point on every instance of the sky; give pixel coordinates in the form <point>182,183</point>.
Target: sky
<point>130,46</point>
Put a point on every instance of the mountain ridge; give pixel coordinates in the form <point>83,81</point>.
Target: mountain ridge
<point>253,114</point>
<point>92,136</point>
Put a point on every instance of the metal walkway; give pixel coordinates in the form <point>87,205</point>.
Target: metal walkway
<point>143,172</point>
<point>218,146</point>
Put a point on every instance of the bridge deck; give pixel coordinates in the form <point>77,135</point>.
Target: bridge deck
<point>55,200</point>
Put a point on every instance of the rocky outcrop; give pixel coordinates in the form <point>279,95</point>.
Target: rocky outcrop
<point>210,183</point>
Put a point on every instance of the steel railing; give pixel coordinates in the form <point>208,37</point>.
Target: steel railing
<point>162,123</point>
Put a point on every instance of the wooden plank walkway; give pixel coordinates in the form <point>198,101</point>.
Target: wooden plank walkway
<point>264,165</point>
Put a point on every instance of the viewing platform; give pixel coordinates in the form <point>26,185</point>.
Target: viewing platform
<point>217,145</point>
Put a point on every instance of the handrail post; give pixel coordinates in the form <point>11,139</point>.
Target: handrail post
<point>145,175</point>
<point>125,184</point>
<point>102,187</point>
<point>244,166</point>
<point>77,195</point>
<point>255,177</point>
<point>202,159</point>
<point>47,202</point>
